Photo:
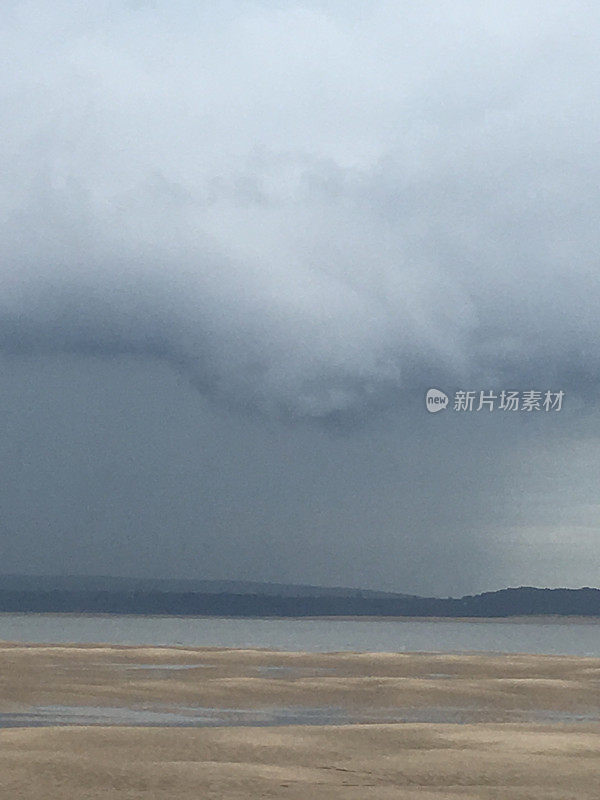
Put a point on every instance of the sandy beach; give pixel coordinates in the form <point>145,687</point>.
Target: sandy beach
<point>474,726</point>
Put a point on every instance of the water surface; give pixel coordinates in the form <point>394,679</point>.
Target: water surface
<point>200,717</point>
<point>565,636</point>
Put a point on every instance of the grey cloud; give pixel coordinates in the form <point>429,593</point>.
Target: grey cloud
<point>353,200</point>
<point>309,211</point>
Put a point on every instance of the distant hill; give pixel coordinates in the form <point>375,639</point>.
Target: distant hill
<point>78,594</point>
<point>106,583</point>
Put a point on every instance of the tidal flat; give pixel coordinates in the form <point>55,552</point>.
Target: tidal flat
<point>100,721</point>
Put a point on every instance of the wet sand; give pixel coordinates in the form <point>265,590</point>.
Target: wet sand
<point>495,726</point>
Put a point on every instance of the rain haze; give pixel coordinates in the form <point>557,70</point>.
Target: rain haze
<point>238,244</point>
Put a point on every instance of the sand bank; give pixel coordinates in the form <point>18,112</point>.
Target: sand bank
<point>394,762</point>
<point>502,748</point>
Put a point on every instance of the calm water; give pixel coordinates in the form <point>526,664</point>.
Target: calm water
<point>195,717</point>
<point>555,636</point>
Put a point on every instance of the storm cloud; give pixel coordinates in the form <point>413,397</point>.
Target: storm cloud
<point>248,216</point>
<point>305,207</point>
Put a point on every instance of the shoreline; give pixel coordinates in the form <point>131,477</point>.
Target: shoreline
<point>16,644</point>
<point>518,618</point>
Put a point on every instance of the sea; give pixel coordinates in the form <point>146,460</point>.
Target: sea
<point>576,636</point>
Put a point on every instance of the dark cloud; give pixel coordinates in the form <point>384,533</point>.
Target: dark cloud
<point>200,210</point>
<point>313,211</point>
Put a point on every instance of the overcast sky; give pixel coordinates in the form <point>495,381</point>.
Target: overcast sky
<point>238,243</point>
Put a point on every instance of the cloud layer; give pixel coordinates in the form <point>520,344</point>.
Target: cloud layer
<point>306,208</point>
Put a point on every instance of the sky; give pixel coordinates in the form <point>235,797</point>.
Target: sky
<point>238,244</point>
